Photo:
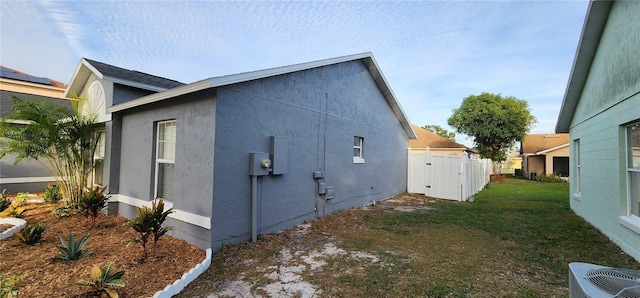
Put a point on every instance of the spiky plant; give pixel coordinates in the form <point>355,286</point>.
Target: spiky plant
<point>71,250</point>
<point>32,234</point>
<point>149,223</point>
<point>93,202</point>
<point>104,280</point>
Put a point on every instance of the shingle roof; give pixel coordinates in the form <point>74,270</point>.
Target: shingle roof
<point>133,75</point>
<point>12,74</point>
<point>6,100</point>
<point>533,143</point>
<point>430,139</point>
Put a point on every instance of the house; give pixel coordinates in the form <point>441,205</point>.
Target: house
<point>513,164</point>
<point>437,144</point>
<point>601,113</point>
<point>545,154</point>
<point>28,175</point>
<point>250,153</point>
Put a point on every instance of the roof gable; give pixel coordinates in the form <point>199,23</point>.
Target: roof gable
<point>595,20</point>
<point>132,78</point>
<point>432,140</point>
<point>367,59</point>
<point>543,143</point>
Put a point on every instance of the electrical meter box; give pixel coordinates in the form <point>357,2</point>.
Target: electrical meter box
<point>259,164</point>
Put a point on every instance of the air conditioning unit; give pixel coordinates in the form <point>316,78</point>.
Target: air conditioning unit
<point>595,281</point>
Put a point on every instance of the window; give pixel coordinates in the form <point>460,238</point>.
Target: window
<point>358,150</point>
<point>98,159</point>
<point>576,154</point>
<point>165,159</point>
<point>633,168</point>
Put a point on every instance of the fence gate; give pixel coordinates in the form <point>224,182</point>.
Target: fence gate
<point>450,177</point>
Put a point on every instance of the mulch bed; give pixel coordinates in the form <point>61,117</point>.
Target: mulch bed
<point>44,277</point>
<point>4,227</point>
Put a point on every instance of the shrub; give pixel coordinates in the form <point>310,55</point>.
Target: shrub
<point>104,280</point>
<point>72,250</point>
<point>149,223</point>
<point>93,202</point>
<point>4,201</point>
<point>32,234</point>
<point>52,194</point>
<point>8,287</point>
<point>549,178</point>
<point>21,199</point>
<point>61,211</point>
<point>12,211</point>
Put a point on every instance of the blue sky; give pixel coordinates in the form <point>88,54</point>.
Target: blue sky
<point>433,53</point>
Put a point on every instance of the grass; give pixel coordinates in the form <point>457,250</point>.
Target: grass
<point>515,240</point>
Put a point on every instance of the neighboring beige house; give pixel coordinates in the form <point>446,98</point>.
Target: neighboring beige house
<point>513,164</point>
<point>437,144</point>
<point>28,175</point>
<point>545,154</point>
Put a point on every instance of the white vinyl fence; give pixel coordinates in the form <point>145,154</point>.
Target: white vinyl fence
<point>451,177</point>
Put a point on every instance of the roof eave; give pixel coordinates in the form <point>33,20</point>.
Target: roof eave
<point>80,77</point>
<point>367,57</point>
<point>545,151</point>
<point>595,20</point>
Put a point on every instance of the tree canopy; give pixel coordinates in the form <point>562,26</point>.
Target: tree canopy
<point>437,129</point>
<point>495,122</point>
<point>58,137</point>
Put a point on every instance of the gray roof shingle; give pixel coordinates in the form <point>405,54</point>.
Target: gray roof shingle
<point>133,75</point>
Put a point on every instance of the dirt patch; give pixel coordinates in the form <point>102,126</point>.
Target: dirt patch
<point>46,278</point>
<point>497,178</point>
<point>4,227</point>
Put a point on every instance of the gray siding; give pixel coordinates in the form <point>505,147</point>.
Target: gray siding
<point>195,123</point>
<point>319,111</point>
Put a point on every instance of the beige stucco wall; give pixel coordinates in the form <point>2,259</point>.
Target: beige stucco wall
<point>562,152</point>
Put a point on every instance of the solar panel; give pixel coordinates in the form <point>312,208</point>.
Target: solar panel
<point>39,80</point>
<point>15,76</point>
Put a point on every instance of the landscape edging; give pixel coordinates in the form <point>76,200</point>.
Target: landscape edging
<point>186,279</point>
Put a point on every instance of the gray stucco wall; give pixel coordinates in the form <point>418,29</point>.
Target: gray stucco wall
<point>319,111</point>
<point>195,124</point>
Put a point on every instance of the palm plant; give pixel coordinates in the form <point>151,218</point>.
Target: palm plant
<point>93,202</point>
<point>72,250</point>
<point>149,223</point>
<point>61,139</point>
<point>104,280</point>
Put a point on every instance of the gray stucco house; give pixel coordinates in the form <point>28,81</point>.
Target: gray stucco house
<point>249,153</point>
<point>601,112</point>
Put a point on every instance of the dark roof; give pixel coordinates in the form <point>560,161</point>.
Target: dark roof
<point>12,74</point>
<point>6,100</point>
<point>133,75</point>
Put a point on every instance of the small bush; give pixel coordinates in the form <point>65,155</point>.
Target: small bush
<point>32,234</point>
<point>8,287</point>
<point>21,199</point>
<point>62,211</point>
<point>550,178</point>
<point>149,223</point>
<point>93,202</point>
<point>52,194</point>
<point>72,250</point>
<point>104,280</point>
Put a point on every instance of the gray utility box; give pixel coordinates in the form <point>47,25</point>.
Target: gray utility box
<point>259,164</point>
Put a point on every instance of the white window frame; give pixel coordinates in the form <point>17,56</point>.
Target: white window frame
<point>631,220</point>
<point>98,157</point>
<point>576,154</point>
<point>159,161</point>
<point>359,158</point>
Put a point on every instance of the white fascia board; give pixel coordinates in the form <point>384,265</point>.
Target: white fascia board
<point>135,84</point>
<point>231,79</point>
<point>185,89</point>
<point>194,219</point>
<point>391,98</point>
<point>41,86</point>
<point>82,73</point>
<point>594,23</point>
<point>551,149</point>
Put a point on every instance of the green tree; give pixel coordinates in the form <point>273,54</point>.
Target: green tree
<point>437,129</point>
<point>496,123</point>
<point>58,137</point>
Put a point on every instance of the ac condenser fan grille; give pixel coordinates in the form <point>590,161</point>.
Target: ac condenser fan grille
<point>623,283</point>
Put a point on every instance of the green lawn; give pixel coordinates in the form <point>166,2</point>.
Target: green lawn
<point>515,239</point>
